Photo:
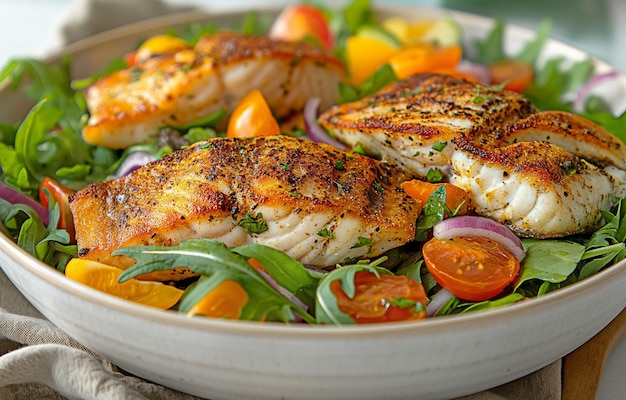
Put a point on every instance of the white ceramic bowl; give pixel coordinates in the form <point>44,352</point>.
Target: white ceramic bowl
<point>438,358</point>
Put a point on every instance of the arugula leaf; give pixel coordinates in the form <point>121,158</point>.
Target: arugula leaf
<point>491,48</point>
<point>553,80</point>
<point>532,49</point>
<point>286,271</point>
<point>383,76</point>
<point>549,260</point>
<point>215,263</point>
<point>326,307</point>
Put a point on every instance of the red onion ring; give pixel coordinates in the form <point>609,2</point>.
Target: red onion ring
<point>470,225</point>
<point>286,293</point>
<point>478,71</point>
<point>315,132</point>
<point>437,301</point>
<point>584,93</point>
<point>134,161</point>
<point>15,197</point>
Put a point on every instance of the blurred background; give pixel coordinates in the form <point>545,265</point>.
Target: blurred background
<point>597,26</point>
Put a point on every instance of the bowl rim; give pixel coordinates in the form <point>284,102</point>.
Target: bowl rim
<point>57,279</point>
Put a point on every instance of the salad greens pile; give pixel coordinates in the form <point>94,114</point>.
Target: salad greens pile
<point>48,143</point>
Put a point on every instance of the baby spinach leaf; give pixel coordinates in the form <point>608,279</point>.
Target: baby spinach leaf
<point>48,244</point>
<point>549,260</point>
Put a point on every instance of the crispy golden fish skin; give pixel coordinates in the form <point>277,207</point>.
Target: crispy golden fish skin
<point>319,204</point>
<point>543,174</point>
<point>408,121</point>
<point>129,106</point>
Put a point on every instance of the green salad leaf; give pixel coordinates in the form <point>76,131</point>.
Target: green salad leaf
<point>48,142</point>
<point>215,263</point>
<point>549,260</point>
<point>47,244</point>
<point>286,271</point>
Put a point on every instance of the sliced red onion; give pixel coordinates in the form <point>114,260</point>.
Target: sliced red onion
<point>16,197</point>
<point>315,132</point>
<point>134,161</point>
<point>593,86</point>
<point>478,71</point>
<point>286,293</point>
<point>470,225</point>
<point>437,301</point>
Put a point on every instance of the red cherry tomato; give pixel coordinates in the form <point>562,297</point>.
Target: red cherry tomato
<point>516,73</point>
<point>252,117</point>
<point>382,299</point>
<point>60,195</point>
<point>471,268</point>
<point>299,21</point>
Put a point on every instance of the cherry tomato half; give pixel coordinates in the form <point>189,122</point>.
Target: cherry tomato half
<point>471,268</point>
<point>516,73</point>
<point>382,299</point>
<point>60,195</point>
<point>299,21</point>
<point>252,117</point>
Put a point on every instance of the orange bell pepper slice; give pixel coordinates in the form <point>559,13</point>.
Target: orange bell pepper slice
<point>425,58</point>
<point>252,117</point>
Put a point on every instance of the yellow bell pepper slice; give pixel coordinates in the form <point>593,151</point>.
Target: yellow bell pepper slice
<point>104,278</point>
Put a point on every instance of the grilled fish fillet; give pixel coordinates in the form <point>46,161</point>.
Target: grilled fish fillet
<point>409,123</point>
<point>128,106</point>
<point>320,205</point>
<point>543,174</point>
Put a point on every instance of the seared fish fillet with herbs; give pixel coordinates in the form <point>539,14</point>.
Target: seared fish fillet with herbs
<point>543,174</point>
<point>129,106</point>
<point>319,204</point>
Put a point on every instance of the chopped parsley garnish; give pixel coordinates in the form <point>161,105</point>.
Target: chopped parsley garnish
<point>339,165</point>
<point>326,233</point>
<point>284,166</point>
<point>359,149</point>
<point>378,187</point>
<point>362,242</point>
<point>253,224</point>
<point>434,175</point>
<point>440,146</point>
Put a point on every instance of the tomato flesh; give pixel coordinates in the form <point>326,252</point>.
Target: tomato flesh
<point>379,299</point>
<point>299,21</point>
<point>455,196</point>
<point>471,268</point>
<point>60,194</point>
<point>517,74</point>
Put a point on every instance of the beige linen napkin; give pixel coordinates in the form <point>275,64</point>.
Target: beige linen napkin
<point>39,361</point>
